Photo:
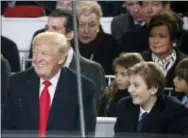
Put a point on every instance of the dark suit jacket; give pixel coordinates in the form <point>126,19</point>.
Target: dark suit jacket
<point>10,51</point>
<point>21,111</point>
<point>93,71</point>
<point>135,40</point>
<point>166,116</point>
<point>121,24</point>
<point>5,72</point>
<point>170,75</point>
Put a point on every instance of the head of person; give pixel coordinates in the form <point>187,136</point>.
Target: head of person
<point>89,14</point>
<point>64,5</point>
<point>164,31</point>
<point>49,53</point>
<point>121,64</point>
<point>134,9</point>
<point>151,8</point>
<point>181,76</point>
<point>60,21</point>
<point>146,83</point>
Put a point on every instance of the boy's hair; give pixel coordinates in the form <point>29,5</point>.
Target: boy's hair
<point>182,69</point>
<point>151,74</point>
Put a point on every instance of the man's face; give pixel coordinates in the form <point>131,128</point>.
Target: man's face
<point>64,4</point>
<point>88,27</point>
<point>151,8</point>
<point>134,9</point>
<point>56,24</point>
<point>46,58</point>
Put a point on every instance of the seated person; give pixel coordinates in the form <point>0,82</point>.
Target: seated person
<point>181,79</point>
<point>94,43</point>
<point>147,110</point>
<point>118,89</point>
<point>133,18</point>
<point>10,51</point>
<point>44,98</point>
<point>164,30</point>
<point>5,72</point>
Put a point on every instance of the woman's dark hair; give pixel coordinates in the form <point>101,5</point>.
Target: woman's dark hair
<point>172,20</point>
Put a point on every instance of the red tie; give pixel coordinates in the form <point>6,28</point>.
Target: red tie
<point>44,109</point>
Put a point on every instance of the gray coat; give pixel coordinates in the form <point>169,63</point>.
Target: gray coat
<point>121,24</point>
<point>93,71</point>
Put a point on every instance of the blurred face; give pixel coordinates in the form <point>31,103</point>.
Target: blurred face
<point>121,79</point>
<point>56,24</point>
<point>151,8</point>
<point>88,27</point>
<point>64,5</point>
<point>139,91</point>
<point>160,41</point>
<point>46,60</point>
<point>134,9</point>
<point>180,84</point>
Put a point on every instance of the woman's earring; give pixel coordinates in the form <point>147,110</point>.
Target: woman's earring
<point>174,44</point>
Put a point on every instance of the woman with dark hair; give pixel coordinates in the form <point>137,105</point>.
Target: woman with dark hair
<point>147,110</point>
<point>164,32</point>
<point>118,89</point>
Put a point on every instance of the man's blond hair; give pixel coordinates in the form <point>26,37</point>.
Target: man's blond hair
<point>53,39</point>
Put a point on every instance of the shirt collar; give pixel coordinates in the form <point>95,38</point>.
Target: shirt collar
<point>69,57</point>
<point>143,111</point>
<point>184,100</point>
<point>53,80</point>
<point>139,23</point>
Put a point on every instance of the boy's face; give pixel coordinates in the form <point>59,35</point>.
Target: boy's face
<point>180,84</point>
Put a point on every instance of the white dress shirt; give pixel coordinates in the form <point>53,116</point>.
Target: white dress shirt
<point>52,87</point>
<point>69,57</point>
<point>141,113</point>
<point>139,23</point>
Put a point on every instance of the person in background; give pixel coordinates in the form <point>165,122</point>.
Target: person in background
<point>141,34</point>
<point>164,31</point>
<point>94,43</point>
<point>136,40</point>
<point>10,51</point>
<point>131,19</point>
<point>64,5</point>
<point>44,98</point>
<point>5,73</point>
<point>147,110</point>
<point>181,79</point>
<point>118,89</point>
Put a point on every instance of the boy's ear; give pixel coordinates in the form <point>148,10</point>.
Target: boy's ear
<point>154,90</point>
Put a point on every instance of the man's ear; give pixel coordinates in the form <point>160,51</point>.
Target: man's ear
<point>63,60</point>
<point>70,36</point>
